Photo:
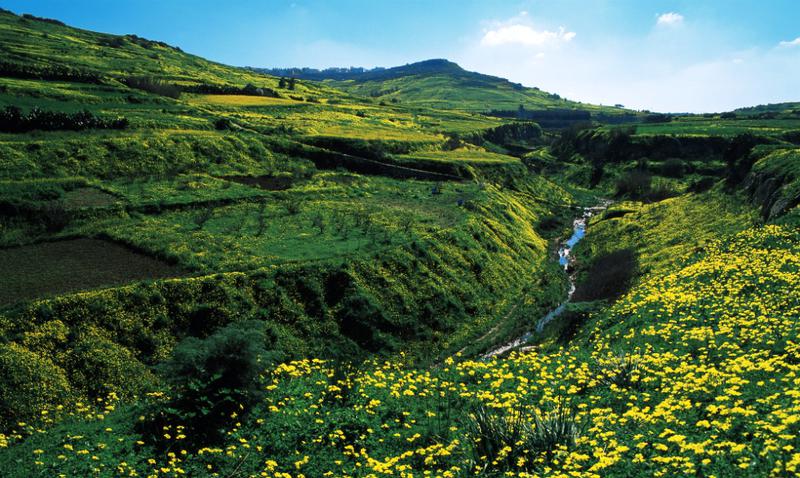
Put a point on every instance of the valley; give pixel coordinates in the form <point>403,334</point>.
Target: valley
<point>208,270</point>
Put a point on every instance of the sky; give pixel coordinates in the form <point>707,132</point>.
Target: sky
<point>661,55</point>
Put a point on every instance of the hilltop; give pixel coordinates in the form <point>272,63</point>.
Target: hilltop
<point>442,84</point>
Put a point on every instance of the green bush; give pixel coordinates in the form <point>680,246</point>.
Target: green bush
<point>29,383</point>
<point>210,379</point>
<point>673,168</point>
<point>635,184</point>
<point>98,367</point>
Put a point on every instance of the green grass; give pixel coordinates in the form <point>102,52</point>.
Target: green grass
<point>461,90</point>
<point>666,233</point>
<point>699,126</point>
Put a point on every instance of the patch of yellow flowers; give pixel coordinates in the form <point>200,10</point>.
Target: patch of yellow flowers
<point>694,373</point>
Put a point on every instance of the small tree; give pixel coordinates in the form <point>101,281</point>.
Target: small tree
<point>210,380</point>
<point>282,83</point>
<point>292,83</point>
<point>318,221</point>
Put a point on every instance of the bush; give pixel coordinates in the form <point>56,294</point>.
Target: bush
<point>657,118</point>
<point>209,380</point>
<point>737,157</point>
<point>673,168</point>
<point>153,85</point>
<point>702,185</point>
<point>222,124</point>
<point>661,190</point>
<point>621,372</point>
<point>218,89</point>
<point>28,16</point>
<point>99,367</point>
<point>48,72</point>
<point>13,120</point>
<point>608,277</point>
<point>29,383</point>
<point>636,184</point>
<point>53,216</point>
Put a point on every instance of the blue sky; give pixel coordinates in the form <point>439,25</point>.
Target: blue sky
<point>664,55</point>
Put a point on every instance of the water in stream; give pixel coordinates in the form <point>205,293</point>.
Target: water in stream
<point>565,259</point>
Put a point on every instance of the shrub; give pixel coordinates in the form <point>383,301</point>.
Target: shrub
<point>53,216</point>
<point>702,185</point>
<point>222,124</point>
<point>209,380</point>
<point>622,372</point>
<point>99,367</point>
<point>153,85</point>
<point>661,190</point>
<point>657,118</point>
<point>636,184</point>
<point>29,383</point>
<point>220,89</point>
<point>737,157</point>
<point>13,120</point>
<point>673,168</point>
<point>28,16</point>
<point>293,206</point>
<point>608,277</point>
<point>48,72</point>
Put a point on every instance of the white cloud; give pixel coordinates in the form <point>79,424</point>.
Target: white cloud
<point>795,42</point>
<point>654,71</point>
<point>525,35</point>
<point>670,19</point>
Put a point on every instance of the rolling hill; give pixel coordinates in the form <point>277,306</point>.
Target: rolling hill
<point>442,84</point>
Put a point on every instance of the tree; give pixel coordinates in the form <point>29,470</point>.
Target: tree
<point>210,379</point>
<point>282,83</point>
<point>292,83</point>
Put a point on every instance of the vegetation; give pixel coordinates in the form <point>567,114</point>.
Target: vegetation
<point>298,275</point>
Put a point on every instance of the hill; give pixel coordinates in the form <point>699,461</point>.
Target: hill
<point>443,84</point>
<point>172,195</point>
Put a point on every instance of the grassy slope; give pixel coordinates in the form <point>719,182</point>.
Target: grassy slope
<point>297,259</point>
<point>694,372</point>
<point>454,88</point>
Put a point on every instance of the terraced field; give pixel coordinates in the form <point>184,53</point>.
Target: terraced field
<point>59,267</point>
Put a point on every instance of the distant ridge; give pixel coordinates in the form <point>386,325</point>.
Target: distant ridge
<point>436,66</point>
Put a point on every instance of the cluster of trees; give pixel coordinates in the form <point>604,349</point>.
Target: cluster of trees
<point>291,83</point>
<point>149,44</point>
<point>48,72</point>
<point>28,16</point>
<point>657,118</point>
<point>549,118</point>
<point>216,89</point>
<point>153,85</point>
<point>13,120</point>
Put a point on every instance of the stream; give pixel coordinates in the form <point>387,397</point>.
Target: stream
<point>566,260</point>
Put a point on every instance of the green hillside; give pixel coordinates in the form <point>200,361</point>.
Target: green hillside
<point>443,84</point>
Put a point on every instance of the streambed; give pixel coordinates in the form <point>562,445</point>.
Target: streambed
<point>566,260</point>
